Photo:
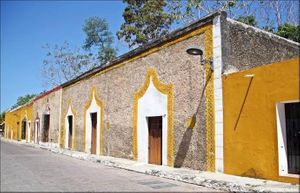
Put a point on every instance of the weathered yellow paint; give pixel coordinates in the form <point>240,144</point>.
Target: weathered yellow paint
<point>209,111</point>
<point>14,118</point>
<point>250,141</point>
<point>74,127</point>
<point>86,106</point>
<point>166,89</point>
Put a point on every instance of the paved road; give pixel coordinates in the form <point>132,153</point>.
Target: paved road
<point>26,169</point>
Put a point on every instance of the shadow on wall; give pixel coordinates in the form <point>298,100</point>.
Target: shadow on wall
<point>186,139</point>
<point>243,104</point>
<point>252,173</point>
<point>183,148</point>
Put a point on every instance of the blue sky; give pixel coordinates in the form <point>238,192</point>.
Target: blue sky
<point>28,25</point>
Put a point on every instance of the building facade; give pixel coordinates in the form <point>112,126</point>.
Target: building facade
<point>46,116</point>
<point>185,101</point>
<point>18,123</point>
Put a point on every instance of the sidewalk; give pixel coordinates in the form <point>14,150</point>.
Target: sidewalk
<point>218,181</point>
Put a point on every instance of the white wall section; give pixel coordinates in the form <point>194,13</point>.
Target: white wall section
<point>28,131</point>
<point>93,108</point>
<point>153,103</point>
<point>69,113</point>
<point>218,97</point>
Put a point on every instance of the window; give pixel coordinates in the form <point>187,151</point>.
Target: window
<point>288,133</point>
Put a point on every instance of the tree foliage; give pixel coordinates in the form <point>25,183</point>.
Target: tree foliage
<point>2,117</point>
<point>249,20</point>
<point>99,37</point>
<point>289,31</point>
<point>24,99</point>
<point>145,20</point>
<point>64,62</point>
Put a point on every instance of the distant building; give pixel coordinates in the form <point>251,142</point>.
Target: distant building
<point>217,95</point>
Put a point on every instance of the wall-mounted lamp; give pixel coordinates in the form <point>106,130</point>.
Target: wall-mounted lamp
<point>196,51</point>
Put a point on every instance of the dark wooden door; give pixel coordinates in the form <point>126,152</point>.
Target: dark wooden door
<point>37,128</point>
<point>94,133</point>
<point>292,116</point>
<point>70,121</point>
<point>23,134</point>
<point>46,128</point>
<point>155,140</point>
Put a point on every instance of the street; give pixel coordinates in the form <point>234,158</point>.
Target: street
<point>26,169</point>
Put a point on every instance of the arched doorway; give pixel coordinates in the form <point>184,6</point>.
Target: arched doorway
<point>93,124</point>
<point>153,122</point>
<point>23,130</point>
<point>70,128</point>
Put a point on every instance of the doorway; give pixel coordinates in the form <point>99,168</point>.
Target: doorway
<point>29,132</point>
<point>94,133</point>
<point>155,140</point>
<point>46,128</point>
<point>292,117</point>
<point>23,134</point>
<point>70,137</point>
<point>36,131</point>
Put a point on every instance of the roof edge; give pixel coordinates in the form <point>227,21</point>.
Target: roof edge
<point>263,31</point>
<point>143,48</point>
<point>46,93</point>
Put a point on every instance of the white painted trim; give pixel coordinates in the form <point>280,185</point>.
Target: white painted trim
<point>69,113</point>
<point>218,95</point>
<point>36,131</point>
<point>59,116</point>
<point>93,108</point>
<point>281,139</point>
<point>153,103</point>
<point>28,131</point>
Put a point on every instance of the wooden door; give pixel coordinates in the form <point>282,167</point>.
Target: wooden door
<point>46,128</point>
<point>23,134</point>
<point>70,121</point>
<point>94,133</point>
<point>155,140</point>
<point>292,116</point>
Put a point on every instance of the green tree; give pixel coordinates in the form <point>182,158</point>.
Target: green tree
<point>249,20</point>
<point>24,99</point>
<point>98,36</point>
<point>145,20</point>
<point>289,31</point>
<point>2,117</point>
<point>65,62</point>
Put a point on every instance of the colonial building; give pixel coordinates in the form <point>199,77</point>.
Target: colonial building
<point>18,123</point>
<point>209,96</point>
<point>46,116</point>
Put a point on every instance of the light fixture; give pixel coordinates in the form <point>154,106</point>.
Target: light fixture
<point>196,51</point>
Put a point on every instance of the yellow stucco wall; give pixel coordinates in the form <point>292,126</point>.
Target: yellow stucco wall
<point>17,115</point>
<point>250,142</point>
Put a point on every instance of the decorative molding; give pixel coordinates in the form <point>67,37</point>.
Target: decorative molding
<point>209,112</point>
<point>74,125</point>
<point>166,89</point>
<point>101,106</point>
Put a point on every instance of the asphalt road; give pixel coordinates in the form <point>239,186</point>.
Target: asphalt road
<point>26,169</point>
